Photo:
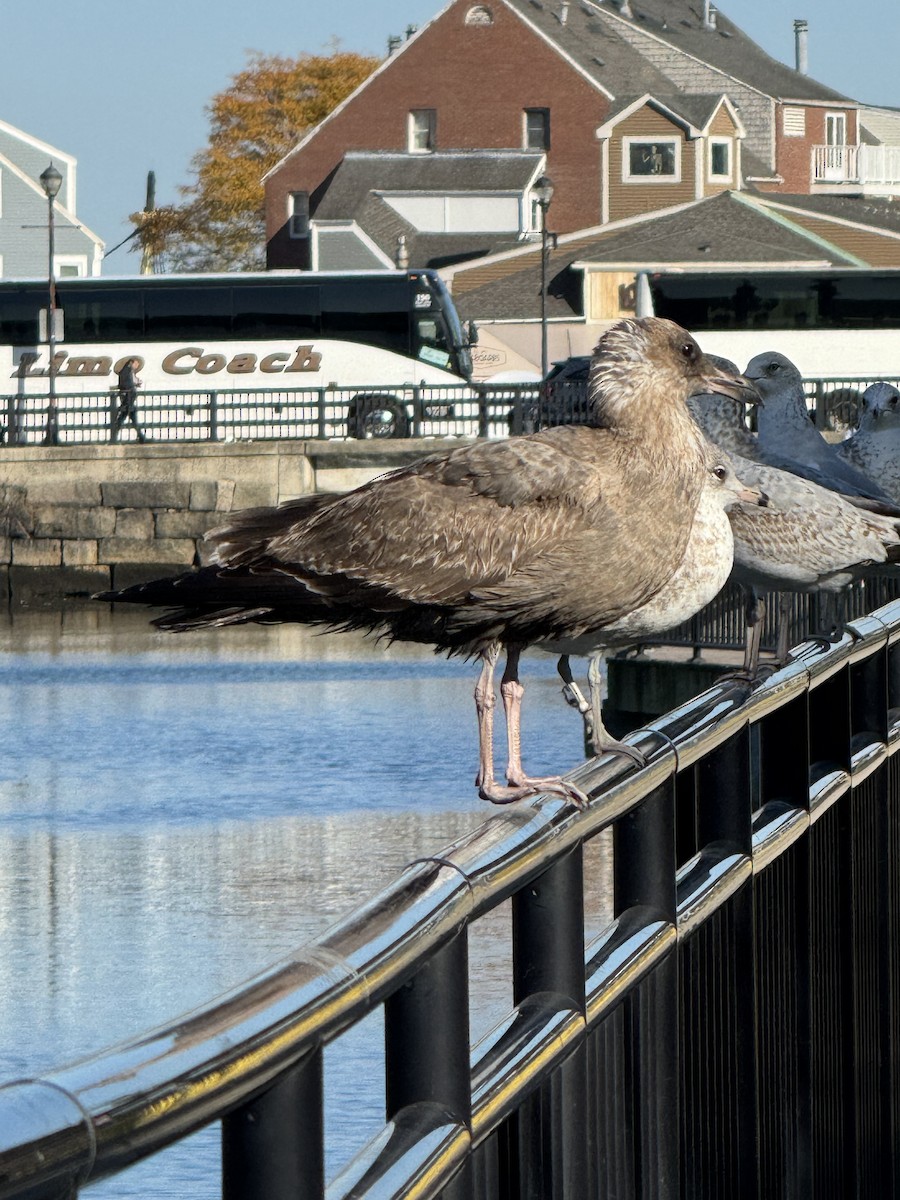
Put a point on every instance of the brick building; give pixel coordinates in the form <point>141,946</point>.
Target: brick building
<point>628,107</point>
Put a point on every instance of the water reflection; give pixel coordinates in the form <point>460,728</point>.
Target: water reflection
<point>178,812</point>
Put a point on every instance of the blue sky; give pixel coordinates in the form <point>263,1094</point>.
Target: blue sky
<point>123,86</point>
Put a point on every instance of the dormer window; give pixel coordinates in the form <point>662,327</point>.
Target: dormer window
<point>422,126</point>
<point>720,152</point>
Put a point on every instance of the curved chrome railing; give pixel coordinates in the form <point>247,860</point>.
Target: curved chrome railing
<point>253,1057</point>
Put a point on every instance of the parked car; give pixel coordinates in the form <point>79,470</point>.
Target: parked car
<point>564,395</point>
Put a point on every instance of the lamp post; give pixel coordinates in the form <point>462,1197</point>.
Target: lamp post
<point>51,182</point>
<point>543,194</point>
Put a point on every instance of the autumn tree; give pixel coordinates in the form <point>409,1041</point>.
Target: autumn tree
<point>253,123</point>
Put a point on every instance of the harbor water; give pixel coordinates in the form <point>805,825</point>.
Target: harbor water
<point>179,811</point>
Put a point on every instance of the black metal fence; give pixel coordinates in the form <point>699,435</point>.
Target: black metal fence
<point>731,1029</point>
<point>453,410</point>
<point>721,624</point>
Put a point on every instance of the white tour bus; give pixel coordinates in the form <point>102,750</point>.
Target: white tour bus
<point>285,334</point>
<point>830,322</point>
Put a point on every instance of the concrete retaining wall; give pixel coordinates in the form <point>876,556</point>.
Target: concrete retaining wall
<point>75,520</point>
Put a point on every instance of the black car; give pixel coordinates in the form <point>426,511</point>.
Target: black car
<point>564,394</point>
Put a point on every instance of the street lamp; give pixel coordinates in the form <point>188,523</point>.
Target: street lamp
<point>51,182</point>
<point>543,194</point>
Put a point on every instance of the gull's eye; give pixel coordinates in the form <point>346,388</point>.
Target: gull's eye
<point>720,472</point>
<point>688,350</point>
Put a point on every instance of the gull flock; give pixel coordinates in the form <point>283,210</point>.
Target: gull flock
<point>576,539</point>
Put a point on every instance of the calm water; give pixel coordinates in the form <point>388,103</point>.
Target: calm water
<point>177,812</point>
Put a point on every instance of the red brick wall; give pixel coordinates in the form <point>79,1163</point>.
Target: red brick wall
<point>479,79</point>
<point>794,155</point>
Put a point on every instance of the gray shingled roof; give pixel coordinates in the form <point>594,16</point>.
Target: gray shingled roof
<point>866,210</point>
<point>733,231</point>
<point>362,173</point>
<point>677,22</point>
<point>354,191</point>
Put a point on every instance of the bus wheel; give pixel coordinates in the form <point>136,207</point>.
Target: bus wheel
<point>377,417</point>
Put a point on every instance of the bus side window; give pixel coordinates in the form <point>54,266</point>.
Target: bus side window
<point>283,310</point>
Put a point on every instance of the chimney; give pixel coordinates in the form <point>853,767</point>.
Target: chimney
<point>401,257</point>
<point>564,12</point>
<point>625,10</point>
<point>709,15</point>
<point>801,29</point>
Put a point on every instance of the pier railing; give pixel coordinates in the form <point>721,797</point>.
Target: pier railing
<point>376,410</point>
<point>730,1029</point>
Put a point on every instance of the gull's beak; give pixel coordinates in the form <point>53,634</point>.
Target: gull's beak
<point>755,496</point>
<point>723,383</point>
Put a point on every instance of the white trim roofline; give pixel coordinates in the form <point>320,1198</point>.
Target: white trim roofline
<point>391,58</point>
<point>448,272</point>
<point>586,75</point>
<point>54,152</point>
<point>689,266</point>
<point>61,209</point>
<point>605,130</point>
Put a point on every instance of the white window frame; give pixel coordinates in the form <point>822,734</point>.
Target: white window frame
<point>79,261</point>
<point>415,128</point>
<point>835,122</point>
<point>645,140</point>
<point>298,222</point>
<point>545,140</point>
<point>713,176</point>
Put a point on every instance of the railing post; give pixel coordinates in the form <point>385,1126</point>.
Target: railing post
<point>645,878</point>
<point>548,956</point>
<point>426,1036</point>
<point>12,431</point>
<point>213,416</point>
<point>274,1146</point>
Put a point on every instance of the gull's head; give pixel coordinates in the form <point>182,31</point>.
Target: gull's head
<point>773,375</point>
<point>723,484</point>
<point>644,365</point>
<point>880,407</point>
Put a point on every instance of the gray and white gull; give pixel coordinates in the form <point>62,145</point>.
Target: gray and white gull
<point>807,538</point>
<point>546,539</point>
<point>874,447</point>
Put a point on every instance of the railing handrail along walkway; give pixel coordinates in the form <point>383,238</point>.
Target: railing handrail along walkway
<point>721,1037</point>
<point>482,409</point>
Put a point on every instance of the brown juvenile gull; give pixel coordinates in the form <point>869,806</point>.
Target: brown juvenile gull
<point>874,447</point>
<point>702,573</point>
<point>548,537</point>
<point>807,538</point>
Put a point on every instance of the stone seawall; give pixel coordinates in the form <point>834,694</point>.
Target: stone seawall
<point>75,520</point>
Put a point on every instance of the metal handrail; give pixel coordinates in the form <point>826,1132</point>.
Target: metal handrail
<point>261,1044</point>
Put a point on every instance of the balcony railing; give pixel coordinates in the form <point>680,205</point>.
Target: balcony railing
<point>866,165</point>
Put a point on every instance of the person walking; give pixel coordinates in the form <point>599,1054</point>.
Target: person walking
<point>128,386</point>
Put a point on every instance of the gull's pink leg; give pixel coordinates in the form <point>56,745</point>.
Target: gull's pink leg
<point>520,784</point>
<point>484,707</point>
